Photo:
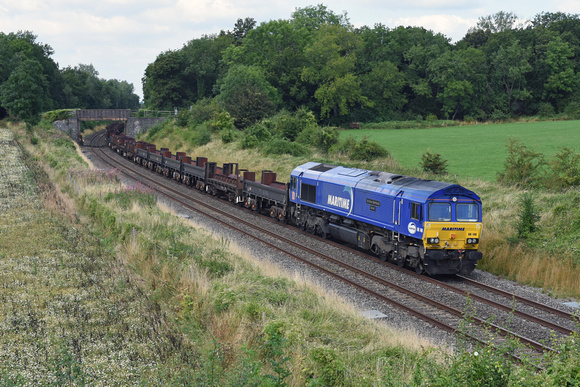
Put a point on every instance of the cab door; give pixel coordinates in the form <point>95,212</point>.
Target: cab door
<point>397,209</point>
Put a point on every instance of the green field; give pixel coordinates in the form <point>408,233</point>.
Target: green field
<point>473,150</point>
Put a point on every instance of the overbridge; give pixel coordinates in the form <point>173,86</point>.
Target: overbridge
<point>133,125</point>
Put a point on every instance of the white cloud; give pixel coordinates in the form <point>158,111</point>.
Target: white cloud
<point>452,26</point>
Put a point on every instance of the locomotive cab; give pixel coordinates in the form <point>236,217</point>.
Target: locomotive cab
<point>452,234</point>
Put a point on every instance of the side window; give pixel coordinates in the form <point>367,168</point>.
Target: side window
<point>415,211</point>
<point>293,183</point>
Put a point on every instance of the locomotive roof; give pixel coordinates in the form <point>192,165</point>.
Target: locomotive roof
<point>384,182</point>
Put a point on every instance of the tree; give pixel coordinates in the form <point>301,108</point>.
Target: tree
<point>561,80</point>
<point>511,64</point>
<point>241,29</point>
<point>23,93</point>
<point>332,60</point>
<point>247,95</point>
<point>164,86</point>
<point>497,22</point>
<point>384,86</point>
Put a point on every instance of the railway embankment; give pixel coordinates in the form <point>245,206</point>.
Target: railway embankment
<point>206,314</point>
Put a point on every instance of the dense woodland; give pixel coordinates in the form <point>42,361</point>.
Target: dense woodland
<point>32,82</point>
<point>503,67</point>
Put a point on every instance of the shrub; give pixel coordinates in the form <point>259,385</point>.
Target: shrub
<point>523,167</point>
<point>259,131</point>
<point>326,137</point>
<point>280,146</point>
<point>565,169</point>
<point>228,136</point>
<point>365,150</point>
<point>433,163</point>
<point>431,117</point>
<point>546,110</point>
<point>200,135</point>
<point>202,111</point>
<point>572,110</point>
<point>221,121</point>
<point>57,115</point>
<point>527,217</point>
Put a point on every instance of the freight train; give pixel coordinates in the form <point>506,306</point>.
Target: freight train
<point>431,226</point>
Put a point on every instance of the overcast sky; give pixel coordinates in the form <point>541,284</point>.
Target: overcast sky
<point>121,37</point>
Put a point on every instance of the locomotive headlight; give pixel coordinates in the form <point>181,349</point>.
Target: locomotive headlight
<point>433,241</point>
<point>472,241</point>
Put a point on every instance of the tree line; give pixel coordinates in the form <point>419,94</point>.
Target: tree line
<point>317,60</point>
<point>32,82</point>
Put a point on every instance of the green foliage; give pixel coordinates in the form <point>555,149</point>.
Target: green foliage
<point>523,167</point>
<point>221,121</point>
<point>256,134</point>
<point>290,125</point>
<point>366,150</point>
<point>433,163</point>
<point>564,169</point>
<point>527,217</point>
<point>330,370</point>
<point>22,93</point>
<point>274,346</point>
<point>280,146</point>
<point>247,95</point>
<point>572,110</point>
<point>228,136</point>
<point>546,110</point>
<point>326,137</point>
<point>199,135</point>
<point>56,115</point>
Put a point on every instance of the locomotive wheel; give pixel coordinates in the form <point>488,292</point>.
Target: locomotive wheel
<point>420,269</point>
<point>272,213</point>
<point>383,255</point>
<point>400,261</point>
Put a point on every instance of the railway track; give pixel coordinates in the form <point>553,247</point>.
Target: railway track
<point>439,314</point>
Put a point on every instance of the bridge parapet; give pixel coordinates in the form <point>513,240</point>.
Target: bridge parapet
<point>103,114</point>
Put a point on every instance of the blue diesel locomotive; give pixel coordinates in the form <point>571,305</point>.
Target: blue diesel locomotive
<point>428,225</point>
<point>432,226</point>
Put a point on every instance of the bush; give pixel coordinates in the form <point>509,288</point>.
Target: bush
<point>326,137</point>
<point>523,167</point>
<point>546,110</point>
<point>57,115</point>
<point>527,217</point>
<point>228,136</point>
<point>433,163</point>
<point>565,169</point>
<point>259,131</point>
<point>572,110</point>
<point>280,146</point>
<point>221,121</point>
<point>365,150</point>
<point>200,135</point>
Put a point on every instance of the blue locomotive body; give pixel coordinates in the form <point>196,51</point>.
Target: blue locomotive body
<point>430,225</point>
